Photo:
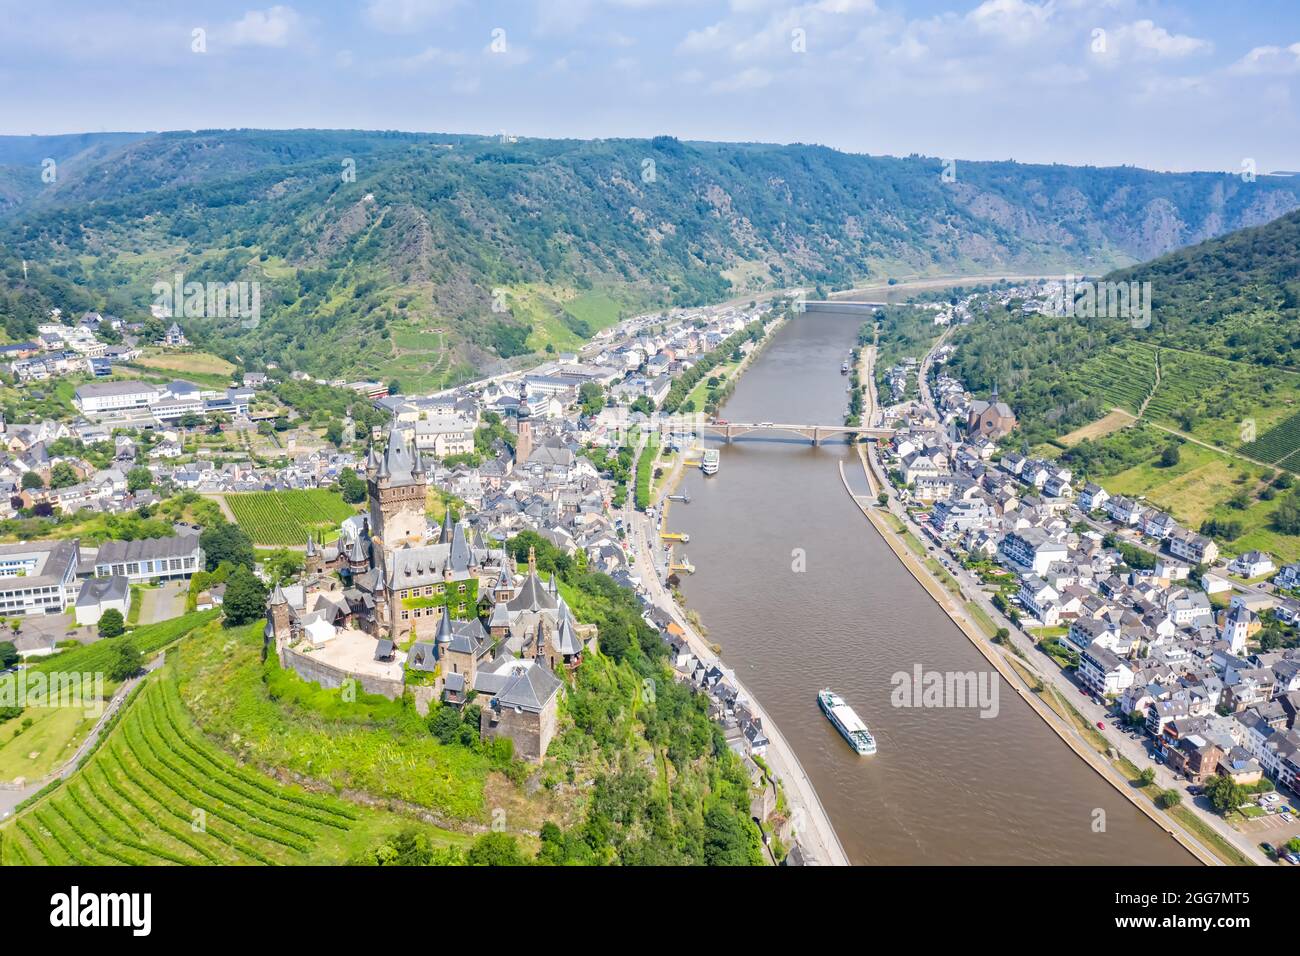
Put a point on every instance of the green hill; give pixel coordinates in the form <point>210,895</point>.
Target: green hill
<point>382,253</point>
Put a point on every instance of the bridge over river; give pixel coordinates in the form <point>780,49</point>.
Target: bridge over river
<point>814,433</point>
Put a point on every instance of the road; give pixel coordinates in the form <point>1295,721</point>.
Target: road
<point>816,835</point>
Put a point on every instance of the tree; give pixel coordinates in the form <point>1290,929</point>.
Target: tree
<point>63,475</point>
<point>444,723</point>
<point>1224,795</point>
<point>111,623</point>
<point>139,478</point>
<point>127,661</point>
<point>283,565</point>
<point>591,397</point>
<point>1169,799</point>
<point>32,481</point>
<point>1286,518</point>
<point>245,598</point>
<point>725,841</point>
<point>351,486</point>
<point>1170,456</point>
<point>407,848</point>
<point>226,543</point>
<point>495,849</point>
<point>1147,777</point>
<point>9,655</point>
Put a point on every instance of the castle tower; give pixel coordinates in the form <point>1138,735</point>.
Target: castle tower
<point>397,485</point>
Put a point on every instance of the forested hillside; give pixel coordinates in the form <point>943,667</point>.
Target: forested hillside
<point>383,253</point>
<point>1224,326</point>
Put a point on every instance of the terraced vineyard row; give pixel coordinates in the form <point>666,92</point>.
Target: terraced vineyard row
<point>1123,375</point>
<point>285,518</point>
<point>1190,381</point>
<point>1280,444</point>
<point>155,792</point>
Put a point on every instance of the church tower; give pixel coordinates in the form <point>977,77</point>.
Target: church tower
<point>524,438</point>
<point>397,484</point>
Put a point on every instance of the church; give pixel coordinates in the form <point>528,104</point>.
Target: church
<point>399,606</point>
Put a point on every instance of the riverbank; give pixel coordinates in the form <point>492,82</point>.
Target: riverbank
<point>816,836</point>
<point>1010,673</point>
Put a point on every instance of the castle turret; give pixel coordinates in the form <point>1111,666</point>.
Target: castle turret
<point>277,608</point>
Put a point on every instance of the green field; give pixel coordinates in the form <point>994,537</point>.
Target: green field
<point>156,792</point>
<point>285,518</point>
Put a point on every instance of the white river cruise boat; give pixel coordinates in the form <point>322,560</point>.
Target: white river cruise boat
<point>847,722</point>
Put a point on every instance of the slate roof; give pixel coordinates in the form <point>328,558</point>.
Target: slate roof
<point>97,590</point>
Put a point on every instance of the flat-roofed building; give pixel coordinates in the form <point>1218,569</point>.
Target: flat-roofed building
<point>150,559</point>
<point>98,398</point>
<point>38,577</point>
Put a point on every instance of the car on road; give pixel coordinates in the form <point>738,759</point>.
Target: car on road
<point>1100,725</point>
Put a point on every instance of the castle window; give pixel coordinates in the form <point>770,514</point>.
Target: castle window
<point>405,615</point>
<point>440,589</point>
<point>428,591</point>
<point>460,588</point>
<point>460,608</point>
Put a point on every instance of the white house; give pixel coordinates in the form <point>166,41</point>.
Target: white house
<point>99,595</point>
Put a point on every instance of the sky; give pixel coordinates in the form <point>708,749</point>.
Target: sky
<point>1180,84</point>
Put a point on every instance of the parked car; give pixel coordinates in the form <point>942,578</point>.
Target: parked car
<point>1268,848</point>
<point>1291,858</point>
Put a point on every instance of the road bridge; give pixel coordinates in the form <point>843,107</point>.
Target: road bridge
<point>814,433</point>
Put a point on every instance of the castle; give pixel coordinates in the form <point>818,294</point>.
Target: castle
<point>396,606</point>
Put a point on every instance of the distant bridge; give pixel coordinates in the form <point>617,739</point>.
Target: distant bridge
<point>814,433</point>
<point>844,307</point>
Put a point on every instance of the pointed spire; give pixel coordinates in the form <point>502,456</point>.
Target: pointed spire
<point>444,634</point>
<point>277,597</point>
<point>444,537</point>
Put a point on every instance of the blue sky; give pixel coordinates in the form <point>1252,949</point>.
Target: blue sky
<point>1184,84</point>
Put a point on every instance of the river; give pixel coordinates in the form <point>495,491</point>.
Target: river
<point>947,786</point>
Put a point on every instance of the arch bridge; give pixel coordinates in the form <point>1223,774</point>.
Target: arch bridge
<point>814,433</point>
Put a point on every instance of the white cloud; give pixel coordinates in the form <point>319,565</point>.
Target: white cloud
<point>1146,36</point>
<point>1014,20</point>
<point>398,16</point>
<point>274,26</point>
<point>1269,60</point>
